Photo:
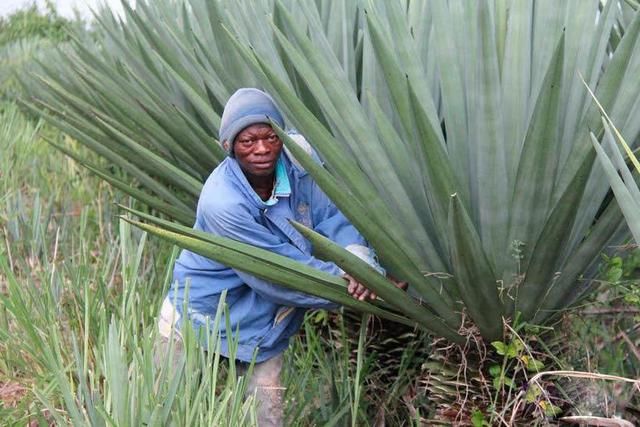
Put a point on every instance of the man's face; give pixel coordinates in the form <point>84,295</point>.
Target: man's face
<point>257,148</point>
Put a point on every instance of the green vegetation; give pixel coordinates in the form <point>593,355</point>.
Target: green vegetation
<point>463,163</point>
<point>139,104</point>
<point>31,24</point>
<point>23,35</point>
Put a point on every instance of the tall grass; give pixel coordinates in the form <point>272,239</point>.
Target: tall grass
<point>78,303</point>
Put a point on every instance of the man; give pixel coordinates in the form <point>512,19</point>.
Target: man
<point>250,197</point>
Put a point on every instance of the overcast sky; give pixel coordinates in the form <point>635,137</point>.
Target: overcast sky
<point>64,7</point>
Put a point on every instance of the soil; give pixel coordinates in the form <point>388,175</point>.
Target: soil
<point>11,393</point>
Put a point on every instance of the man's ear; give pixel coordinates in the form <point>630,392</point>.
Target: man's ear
<point>225,145</point>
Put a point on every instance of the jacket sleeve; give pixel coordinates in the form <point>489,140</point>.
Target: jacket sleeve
<point>283,296</point>
<point>238,224</point>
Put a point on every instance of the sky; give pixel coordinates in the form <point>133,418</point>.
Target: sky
<point>64,7</point>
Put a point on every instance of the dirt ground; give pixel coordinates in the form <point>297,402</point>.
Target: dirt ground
<point>11,393</point>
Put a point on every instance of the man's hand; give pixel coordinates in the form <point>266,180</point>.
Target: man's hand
<point>358,290</point>
<point>361,293</point>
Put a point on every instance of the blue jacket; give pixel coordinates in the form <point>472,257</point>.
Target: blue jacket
<point>265,314</point>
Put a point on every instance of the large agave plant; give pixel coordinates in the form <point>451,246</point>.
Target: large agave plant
<point>456,135</point>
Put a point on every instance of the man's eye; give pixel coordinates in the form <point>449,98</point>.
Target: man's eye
<point>272,138</point>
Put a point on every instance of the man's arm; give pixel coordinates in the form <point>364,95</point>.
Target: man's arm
<point>284,296</point>
<point>238,224</point>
